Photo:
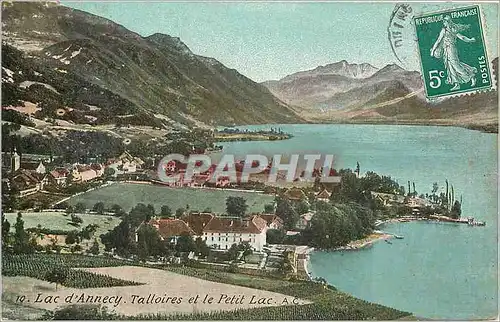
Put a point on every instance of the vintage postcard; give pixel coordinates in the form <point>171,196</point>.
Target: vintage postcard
<point>249,160</point>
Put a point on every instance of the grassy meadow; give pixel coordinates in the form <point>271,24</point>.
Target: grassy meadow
<point>61,221</point>
<point>127,195</point>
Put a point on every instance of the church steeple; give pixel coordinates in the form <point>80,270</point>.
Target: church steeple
<point>15,161</point>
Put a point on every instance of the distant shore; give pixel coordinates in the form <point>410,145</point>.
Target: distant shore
<point>482,127</point>
<point>229,137</point>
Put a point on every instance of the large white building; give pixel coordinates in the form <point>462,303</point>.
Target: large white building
<point>217,232</point>
<point>223,232</point>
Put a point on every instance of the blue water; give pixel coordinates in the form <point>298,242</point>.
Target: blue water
<point>442,271</point>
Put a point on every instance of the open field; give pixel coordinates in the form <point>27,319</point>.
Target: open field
<point>159,282</point>
<point>319,302</point>
<point>127,195</point>
<point>61,221</point>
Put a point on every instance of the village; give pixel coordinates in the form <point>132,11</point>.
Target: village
<point>251,240</point>
<point>40,184</point>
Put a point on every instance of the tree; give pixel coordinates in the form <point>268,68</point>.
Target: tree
<point>62,205</point>
<point>94,249</point>
<point>201,247</point>
<point>337,225</point>
<point>76,220</point>
<point>165,211</point>
<point>21,237</point>
<point>75,248</point>
<point>109,173</point>
<point>179,212</point>
<point>117,209</point>
<point>99,207</point>
<point>141,213</point>
<point>88,231</point>
<point>148,241</point>
<point>269,208</point>
<point>233,252</point>
<point>80,207</point>
<point>245,247</point>
<point>185,243</point>
<point>236,206</point>
<point>286,212</point>
<point>72,237</point>
<point>57,275</point>
<point>81,312</point>
<point>456,210</point>
<point>5,232</point>
<point>70,210</point>
<point>151,210</point>
<point>121,238</point>
<point>302,207</point>
<point>275,236</point>
<point>446,203</point>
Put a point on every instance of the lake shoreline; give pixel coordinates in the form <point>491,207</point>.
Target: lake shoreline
<point>491,128</point>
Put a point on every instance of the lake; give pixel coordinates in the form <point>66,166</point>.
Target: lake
<point>440,271</point>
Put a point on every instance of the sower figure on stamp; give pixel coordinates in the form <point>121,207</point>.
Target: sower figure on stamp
<point>445,48</point>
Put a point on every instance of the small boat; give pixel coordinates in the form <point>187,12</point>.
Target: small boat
<point>387,241</point>
<point>398,237</point>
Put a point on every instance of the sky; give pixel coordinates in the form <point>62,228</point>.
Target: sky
<point>269,40</point>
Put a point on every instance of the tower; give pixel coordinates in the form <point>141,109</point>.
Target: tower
<point>15,161</point>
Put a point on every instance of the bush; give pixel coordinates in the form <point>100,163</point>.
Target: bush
<point>82,312</point>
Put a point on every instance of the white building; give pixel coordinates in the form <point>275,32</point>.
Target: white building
<point>217,232</point>
<point>222,232</point>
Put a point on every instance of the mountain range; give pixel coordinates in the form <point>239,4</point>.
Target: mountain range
<point>99,72</point>
<point>96,68</point>
<point>362,93</point>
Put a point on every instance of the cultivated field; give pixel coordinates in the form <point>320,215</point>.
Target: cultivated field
<point>159,282</point>
<point>128,195</point>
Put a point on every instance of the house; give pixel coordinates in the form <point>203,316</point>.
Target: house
<point>217,232</point>
<point>223,232</point>
<point>86,173</point>
<point>323,195</point>
<point>38,167</point>
<point>58,176</point>
<point>98,168</point>
<point>272,221</point>
<point>130,163</point>
<point>388,199</point>
<point>416,203</point>
<point>125,163</point>
<point>222,181</point>
<point>198,221</point>
<point>26,182</point>
<point>169,229</point>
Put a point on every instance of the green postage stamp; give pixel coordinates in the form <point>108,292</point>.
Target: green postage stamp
<point>453,52</point>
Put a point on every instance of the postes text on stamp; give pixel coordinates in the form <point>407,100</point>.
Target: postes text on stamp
<point>453,52</point>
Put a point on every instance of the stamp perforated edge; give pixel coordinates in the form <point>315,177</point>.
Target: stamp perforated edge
<point>470,92</point>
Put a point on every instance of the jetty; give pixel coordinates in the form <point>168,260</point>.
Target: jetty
<point>471,221</point>
<point>387,233</point>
